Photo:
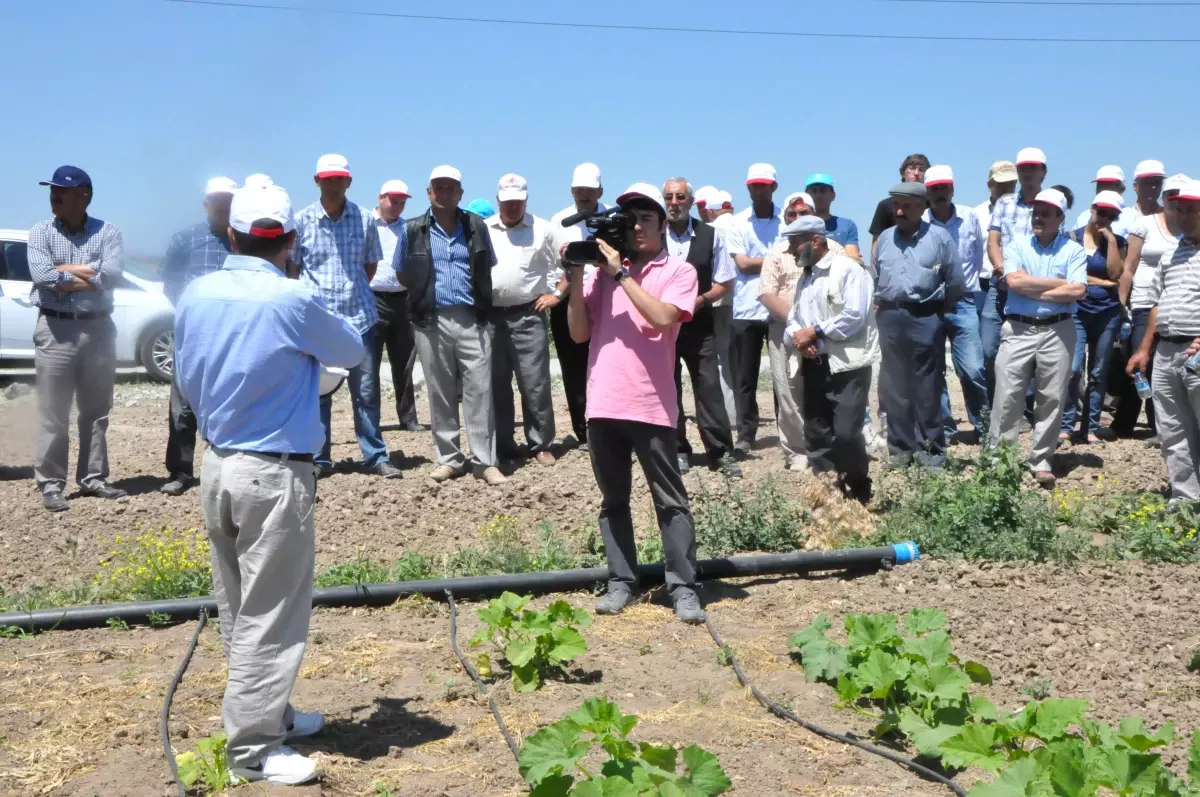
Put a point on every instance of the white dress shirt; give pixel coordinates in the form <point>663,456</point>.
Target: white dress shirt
<point>752,237</point>
<point>385,279</point>
<point>565,235</point>
<point>723,224</point>
<point>680,246</point>
<point>526,260</point>
<point>857,293</point>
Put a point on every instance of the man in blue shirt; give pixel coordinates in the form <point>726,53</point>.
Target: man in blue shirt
<point>1046,273</point>
<point>337,250</point>
<point>919,278</point>
<point>193,252</point>
<point>249,349</point>
<point>819,186</point>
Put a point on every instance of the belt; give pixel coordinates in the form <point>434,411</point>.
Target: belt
<point>270,454</point>
<point>1035,321</point>
<point>74,316</point>
<point>515,309</point>
<point>916,308</point>
<point>1175,338</point>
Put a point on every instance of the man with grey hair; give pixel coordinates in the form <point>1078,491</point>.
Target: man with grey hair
<point>698,244</point>
<point>919,277</point>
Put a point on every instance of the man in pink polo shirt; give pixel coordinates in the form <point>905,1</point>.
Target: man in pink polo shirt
<point>630,311</point>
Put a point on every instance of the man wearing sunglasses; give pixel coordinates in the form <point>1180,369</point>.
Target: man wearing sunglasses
<point>1046,273</point>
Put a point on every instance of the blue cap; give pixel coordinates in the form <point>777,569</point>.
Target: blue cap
<point>481,208</point>
<point>818,178</point>
<point>68,177</point>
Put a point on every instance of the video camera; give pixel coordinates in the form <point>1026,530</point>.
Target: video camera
<point>609,226</point>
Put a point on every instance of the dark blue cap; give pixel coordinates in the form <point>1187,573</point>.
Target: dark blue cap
<point>68,177</point>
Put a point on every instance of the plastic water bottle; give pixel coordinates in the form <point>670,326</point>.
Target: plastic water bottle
<point>1126,330</point>
<point>1193,363</point>
<point>1143,387</point>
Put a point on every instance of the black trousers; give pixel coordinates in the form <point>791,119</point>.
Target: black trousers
<point>833,407</point>
<point>394,332</point>
<point>749,337</point>
<point>697,349</point>
<point>181,434</point>
<point>573,360</point>
<point>612,444</point>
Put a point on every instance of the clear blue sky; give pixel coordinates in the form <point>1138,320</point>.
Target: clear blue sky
<point>153,98</point>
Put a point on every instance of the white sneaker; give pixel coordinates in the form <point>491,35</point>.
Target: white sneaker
<point>284,767</point>
<point>798,464</point>
<point>305,723</point>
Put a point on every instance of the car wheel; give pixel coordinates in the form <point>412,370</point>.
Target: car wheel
<point>158,353</point>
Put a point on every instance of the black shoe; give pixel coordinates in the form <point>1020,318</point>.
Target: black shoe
<point>387,470</point>
<point>743,447</point>
<point>729,467</point>
<point>411,426</point>
<point>54,501</point>
<point>324,471</point>
<point>179,484</point>
<point>105,491</point>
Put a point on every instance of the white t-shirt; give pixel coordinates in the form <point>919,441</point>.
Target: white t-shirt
<point>1151,230</point>
<point>723,224</point>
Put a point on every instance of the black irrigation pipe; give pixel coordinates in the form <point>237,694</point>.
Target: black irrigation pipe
<point>163,726</point>
<point>508,737</point>
<point>780,711</point>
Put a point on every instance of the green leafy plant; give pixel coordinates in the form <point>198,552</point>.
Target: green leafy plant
<point>552,760</point>
<point>729,521</point>
<point>533,643</point>
<point>116,624</point>
<point>158,619</point>
<point>13,632</point>
<point>363,570</point>
<point>207,766</point>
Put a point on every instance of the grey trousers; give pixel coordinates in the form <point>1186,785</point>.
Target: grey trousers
<point>789,391</point>
<point>73,360</point>
<point>259,514</point>
<point>723,340</point>
<point>1041,353</point>
<point>456,349</point>
<point>1176,410</point>
<point>520,345</point>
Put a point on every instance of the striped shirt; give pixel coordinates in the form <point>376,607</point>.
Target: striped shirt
<point>1176,289</point>
<point>192,253</point>
<point>98,245</point>
<point>451,262</point>
<point>333,256</point>
<point>964,228</point>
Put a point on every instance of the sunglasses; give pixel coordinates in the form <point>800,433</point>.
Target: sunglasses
<point>679,197</point>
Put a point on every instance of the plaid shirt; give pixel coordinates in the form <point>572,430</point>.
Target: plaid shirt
<point>333,255</point>
<point>780,274</point>
<point>192,253</point>
<point>98,245</point>
<point>1013,217</point>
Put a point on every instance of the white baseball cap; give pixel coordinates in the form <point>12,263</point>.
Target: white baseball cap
<point>1110,174</point>
<point>448,172</point>
<point>1109,199</point>
<point>1052,196</point>
<point>258,181</point>
<point>1176,182</point>
<point>791,198</point>
<point>333,166</point>
<point>721,199</point>
<point>395,187</point>
<point>1190,192</point>
<point>256,203</point>
<point>1031,155</point>
<point>644,190</point>
<point>760,173</point>
<point>939,175</point>
<point>704,194</point>
<point>1149,169</point>
<point>512,187</point>
<point>220,185</point>
<point>587,175</point>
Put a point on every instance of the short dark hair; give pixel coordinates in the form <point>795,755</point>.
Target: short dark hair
<point>258,246</point>
<point>1068,193</point>
<point>642,203</point>
<point>916,159</point>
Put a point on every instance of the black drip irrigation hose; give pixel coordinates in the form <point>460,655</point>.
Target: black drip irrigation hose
<point>163,726</point>
<point>508,737</point>
<point>782,712</point>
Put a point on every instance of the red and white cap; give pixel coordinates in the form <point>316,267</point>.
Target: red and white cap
<point>1031,155</point>
<point>333,166</point>
<point>721,200</point>
<point>1109,199</point>
<point>220,185</point>
<point>1110,174</point>
<point>798,196</point>
<point>1052,196</point>
<point>258,180</point>
<point>939,175</point>
<point>512,187</point>
<point>704,194</point>
<point>587,175</point>
<point>446,172</point>
<point>760,174</point>
<point>1176,182</point>
<point>1149,169</point>
<point>644,190</point>
<point>1190,192</point>
<point>395,188</point>
<point>253,205</point>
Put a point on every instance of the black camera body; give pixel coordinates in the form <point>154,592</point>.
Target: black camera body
<point>609,226</point>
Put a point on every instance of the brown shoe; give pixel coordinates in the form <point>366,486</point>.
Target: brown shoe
<point>1045,479</point>
<point>444,473</point>
<point>492,477</point>
<point>544,458</point>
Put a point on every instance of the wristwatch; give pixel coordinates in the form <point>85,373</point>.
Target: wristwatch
<point>620,275</point>
<point>558,294</point>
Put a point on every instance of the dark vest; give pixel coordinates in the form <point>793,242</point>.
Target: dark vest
<point>700,255</point>
<point>421,275</point>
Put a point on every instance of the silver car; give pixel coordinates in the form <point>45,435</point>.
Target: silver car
<point>144,317</point>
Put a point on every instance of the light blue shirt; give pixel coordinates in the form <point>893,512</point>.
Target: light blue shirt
<point>1062,259</point>
<point>451,261</point>
<point>923,268</point>
<point>964,228</point>
<point>842,230</point>
<point>248,344</point>
<point>752,237</point>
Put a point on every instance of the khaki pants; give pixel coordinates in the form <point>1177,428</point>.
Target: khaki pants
<point>259,514</point>
<point>789,391</point>
<point>1026,352</point>
<point>1176,410</point>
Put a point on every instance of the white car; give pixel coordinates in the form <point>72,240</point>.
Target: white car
<point>144,317</point>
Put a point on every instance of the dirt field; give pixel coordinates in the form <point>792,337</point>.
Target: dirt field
<point>78,710</point>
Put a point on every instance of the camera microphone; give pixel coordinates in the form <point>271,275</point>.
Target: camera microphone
<point>575,218</point>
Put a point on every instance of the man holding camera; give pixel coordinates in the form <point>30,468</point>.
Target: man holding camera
<point>630,311</point>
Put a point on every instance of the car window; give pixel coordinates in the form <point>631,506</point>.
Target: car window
<point>14,261</point>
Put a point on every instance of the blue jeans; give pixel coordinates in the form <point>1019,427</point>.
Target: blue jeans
<point>364,397</point>
<point>990,323</point>
<point>1095,335</point>
<point>966,352</point>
